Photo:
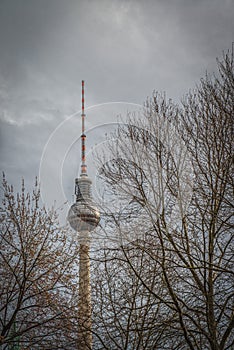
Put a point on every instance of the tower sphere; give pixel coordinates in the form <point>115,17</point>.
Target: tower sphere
<point>83,215</point>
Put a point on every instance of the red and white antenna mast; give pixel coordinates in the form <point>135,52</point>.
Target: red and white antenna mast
<point>83,137</point>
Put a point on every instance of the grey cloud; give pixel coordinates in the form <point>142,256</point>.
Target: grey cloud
<point>123,49</point>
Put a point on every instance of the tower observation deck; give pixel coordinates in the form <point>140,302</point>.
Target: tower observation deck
<point>84,217</point>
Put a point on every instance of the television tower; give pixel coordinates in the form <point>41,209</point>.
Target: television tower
<point>84,217</point>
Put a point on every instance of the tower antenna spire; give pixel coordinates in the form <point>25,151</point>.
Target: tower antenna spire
<point>83,136</point>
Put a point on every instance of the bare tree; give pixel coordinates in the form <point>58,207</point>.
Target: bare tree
<point>126,315</point>
<point>38,269</point>
<point>169,177</point>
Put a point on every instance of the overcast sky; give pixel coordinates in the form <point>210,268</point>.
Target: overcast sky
<point>122,49</point>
